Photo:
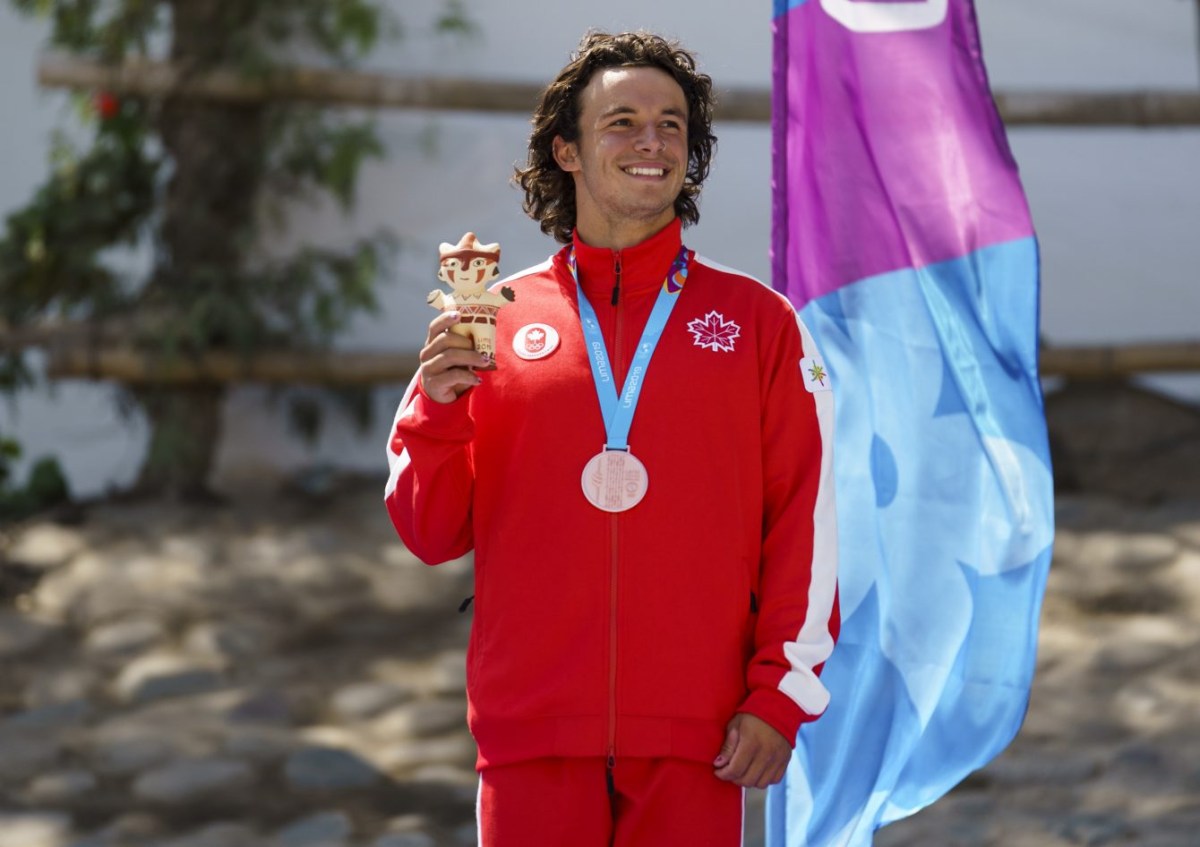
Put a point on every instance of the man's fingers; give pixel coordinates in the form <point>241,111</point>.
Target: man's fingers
<point>451,372</point>
<point>739,768</point>
<point>448,361</point>
<point>440,342</point>
<point>775,763</point>
<point>735,757</point>
<point>751,766</point>
<point>767,771</point>
<point>728,748</point>
<point>773,775</point>
<point>754,754</point>
<point>440,325</point>
<point>448,357</point>
<point>450,386</point>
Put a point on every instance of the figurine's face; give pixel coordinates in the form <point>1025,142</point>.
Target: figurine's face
<point>467,275</point>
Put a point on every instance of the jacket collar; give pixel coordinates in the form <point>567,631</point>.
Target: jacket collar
<point>644,266</point>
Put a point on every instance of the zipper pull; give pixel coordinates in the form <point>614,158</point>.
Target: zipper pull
<point>608,774</point>
<point>617,286</point>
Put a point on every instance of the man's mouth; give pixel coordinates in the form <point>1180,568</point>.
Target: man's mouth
<point>641,170</point>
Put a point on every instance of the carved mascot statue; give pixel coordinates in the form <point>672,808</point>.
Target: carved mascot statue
<point>467,267</point>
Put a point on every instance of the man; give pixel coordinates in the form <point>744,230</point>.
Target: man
<point>645,481</point>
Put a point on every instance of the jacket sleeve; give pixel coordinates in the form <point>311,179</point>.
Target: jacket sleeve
<point>431,480</point>
<point>798,617</point>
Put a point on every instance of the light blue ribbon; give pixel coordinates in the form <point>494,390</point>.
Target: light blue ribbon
<point>618,412</point>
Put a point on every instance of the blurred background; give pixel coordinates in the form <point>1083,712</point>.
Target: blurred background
<point>209,635</point>
<point>1116,206</point>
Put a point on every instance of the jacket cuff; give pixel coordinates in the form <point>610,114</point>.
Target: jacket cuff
<point>778,710</point>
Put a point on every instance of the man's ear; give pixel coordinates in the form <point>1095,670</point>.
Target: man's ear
<point>566,154</point>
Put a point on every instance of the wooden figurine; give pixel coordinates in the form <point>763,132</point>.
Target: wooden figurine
<point>467,267</point>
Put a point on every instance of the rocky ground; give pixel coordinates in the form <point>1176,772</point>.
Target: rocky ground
<point>1110,750</point>
<point>269,671</point>
<point>278,671</point>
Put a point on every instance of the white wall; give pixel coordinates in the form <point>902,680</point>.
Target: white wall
<point>1116,210</point>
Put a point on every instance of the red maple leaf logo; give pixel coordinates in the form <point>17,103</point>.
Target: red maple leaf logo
<point>714,332</point>
<point>535,340</point>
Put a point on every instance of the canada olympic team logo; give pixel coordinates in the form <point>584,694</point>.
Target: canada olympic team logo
<point>535,341</point>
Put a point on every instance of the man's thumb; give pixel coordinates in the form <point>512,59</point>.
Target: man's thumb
<point>731,740</point>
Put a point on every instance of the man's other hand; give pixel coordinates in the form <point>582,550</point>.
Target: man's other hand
<point>754,754</point>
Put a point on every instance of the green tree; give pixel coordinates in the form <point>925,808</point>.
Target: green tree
<point>197,180</point>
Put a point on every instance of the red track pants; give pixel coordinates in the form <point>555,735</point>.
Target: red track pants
<point>570,803</point>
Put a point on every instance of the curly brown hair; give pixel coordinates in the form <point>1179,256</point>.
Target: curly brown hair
<point>550,191</point>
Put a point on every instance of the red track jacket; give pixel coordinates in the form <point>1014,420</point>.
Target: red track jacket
<point>639,633</point>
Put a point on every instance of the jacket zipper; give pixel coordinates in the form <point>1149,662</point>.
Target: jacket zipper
<point>618,359</point>
<point>616,292</point>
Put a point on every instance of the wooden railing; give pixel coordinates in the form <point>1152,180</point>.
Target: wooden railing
<point>109,361</point>
<point>336,87</point>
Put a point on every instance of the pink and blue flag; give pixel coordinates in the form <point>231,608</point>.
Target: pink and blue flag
<point>902,234</point>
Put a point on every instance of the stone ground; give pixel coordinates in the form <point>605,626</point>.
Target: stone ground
<point>278,671</point>
<point>272,671</point>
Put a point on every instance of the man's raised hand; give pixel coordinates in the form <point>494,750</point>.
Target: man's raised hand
<point>448,361</point>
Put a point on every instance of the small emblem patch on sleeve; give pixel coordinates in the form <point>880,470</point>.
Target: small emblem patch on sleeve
<point>816,376</point>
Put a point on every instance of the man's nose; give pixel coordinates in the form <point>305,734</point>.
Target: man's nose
<point>651,139</point>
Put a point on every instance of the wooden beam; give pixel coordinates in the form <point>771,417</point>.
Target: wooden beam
<point>1115,361</point>
<point>333,86</point>
<point>1101,108</point>
<point>372,368</point>
<point>57,332</point>
<point>132,367</point>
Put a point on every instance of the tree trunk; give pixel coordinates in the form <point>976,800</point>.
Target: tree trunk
<point>185,428</point>
<point>216,151</point>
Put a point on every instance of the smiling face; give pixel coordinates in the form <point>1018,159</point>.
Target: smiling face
<point>468,273</point>
<point>468,266</point>
<point>630,160</point>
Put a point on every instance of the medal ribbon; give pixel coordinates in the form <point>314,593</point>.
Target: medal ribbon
<point>618,412</point>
